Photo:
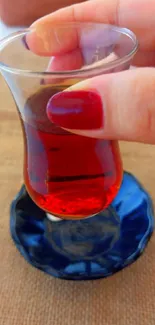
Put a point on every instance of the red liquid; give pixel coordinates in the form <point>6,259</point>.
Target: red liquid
<point>67,175</point>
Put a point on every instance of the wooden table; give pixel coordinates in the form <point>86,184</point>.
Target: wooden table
<point>28,296</point>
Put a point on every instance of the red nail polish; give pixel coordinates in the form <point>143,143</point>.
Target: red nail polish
<point>81,110</point>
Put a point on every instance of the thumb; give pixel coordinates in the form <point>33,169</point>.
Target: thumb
<point>113,106</point>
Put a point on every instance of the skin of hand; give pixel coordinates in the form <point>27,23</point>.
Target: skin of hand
<point>126,100</point>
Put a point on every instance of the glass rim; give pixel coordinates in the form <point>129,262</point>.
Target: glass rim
<point>71,73</point>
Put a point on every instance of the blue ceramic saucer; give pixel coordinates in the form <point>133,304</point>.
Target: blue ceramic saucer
<point>89,248</point>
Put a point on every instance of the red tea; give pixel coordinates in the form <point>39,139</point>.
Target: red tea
<point>67,175</point>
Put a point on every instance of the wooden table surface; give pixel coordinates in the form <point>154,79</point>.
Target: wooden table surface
<point>28,296</point>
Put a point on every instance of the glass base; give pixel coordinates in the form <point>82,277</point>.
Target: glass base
<point>85,249</point>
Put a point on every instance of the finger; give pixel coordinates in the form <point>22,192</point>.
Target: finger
<point>53,40</point>
<point>70,61</point>
<point>135,15</point>
<point>67,62</point>
<point>62,39</point>
<point>143,59</point>
<point>114,106</point>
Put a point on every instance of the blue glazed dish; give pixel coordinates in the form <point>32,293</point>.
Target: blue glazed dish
<point>85,249</point>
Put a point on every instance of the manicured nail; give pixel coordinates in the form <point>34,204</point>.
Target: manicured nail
<point>80,110</point>
<point>24,42</point>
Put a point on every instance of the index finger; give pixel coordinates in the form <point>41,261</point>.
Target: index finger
<point>46,39</point>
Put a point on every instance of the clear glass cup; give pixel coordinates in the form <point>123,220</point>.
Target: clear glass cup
<point>68,176</point>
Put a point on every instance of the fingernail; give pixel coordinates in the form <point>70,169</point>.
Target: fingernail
<point>80,110</point>
<point>24,42</point>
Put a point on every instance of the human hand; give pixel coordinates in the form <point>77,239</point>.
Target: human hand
<point>127,109</point>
